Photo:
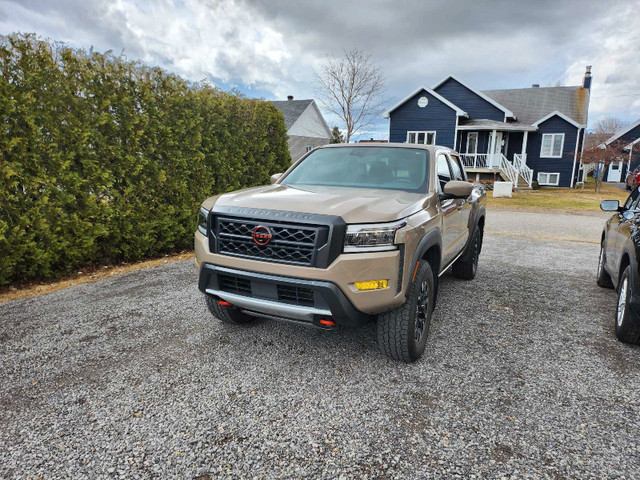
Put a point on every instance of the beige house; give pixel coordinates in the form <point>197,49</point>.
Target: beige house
<point>306,126</point>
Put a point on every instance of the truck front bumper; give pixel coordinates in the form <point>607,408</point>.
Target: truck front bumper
<point>281,298</point>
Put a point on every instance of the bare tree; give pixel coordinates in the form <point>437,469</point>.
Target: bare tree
<point>351,87</point>
<point>601,156</point>
<point>602,131</point>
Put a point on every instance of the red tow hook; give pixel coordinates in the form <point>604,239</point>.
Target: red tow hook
<point>224,304</point>
<point>328,323</point>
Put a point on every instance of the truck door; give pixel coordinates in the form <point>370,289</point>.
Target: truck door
<point>450,212</point>
<point>464,207</point>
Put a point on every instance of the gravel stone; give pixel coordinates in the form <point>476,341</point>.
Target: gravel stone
<point>131,377</point>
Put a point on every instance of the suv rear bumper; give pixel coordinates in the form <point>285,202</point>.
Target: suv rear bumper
<point>284,298</point>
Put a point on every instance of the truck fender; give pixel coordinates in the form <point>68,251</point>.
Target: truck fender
<point>432,238</point>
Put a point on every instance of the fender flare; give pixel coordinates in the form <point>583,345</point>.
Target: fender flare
<point>479,214</point>
<point>431,239</point>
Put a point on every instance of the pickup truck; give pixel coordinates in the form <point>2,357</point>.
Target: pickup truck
<point>349,234</point>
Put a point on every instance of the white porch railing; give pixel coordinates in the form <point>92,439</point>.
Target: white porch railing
<point>520,163</point>
<point>512,170</point>
<point>474,160</point>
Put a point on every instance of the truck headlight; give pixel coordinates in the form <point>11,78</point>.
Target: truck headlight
<point>373,237</point>
<point>203,216</point>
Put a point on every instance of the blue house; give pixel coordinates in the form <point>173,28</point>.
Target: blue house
<point>628,141</point>
<point>523,135</point>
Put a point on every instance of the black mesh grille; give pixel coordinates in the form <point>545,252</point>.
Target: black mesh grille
<point>237,285</point>
<point>296,244</point>
<point>295,295</point>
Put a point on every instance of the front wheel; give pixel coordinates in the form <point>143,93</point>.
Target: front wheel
<point>627,322</point>
<point>602,277</point>
<point>403,332</point>
<point>230,315</point>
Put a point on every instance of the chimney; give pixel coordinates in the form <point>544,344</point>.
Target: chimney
<point>289,97</point>
<point>535,85</point>
<point>586,83</point>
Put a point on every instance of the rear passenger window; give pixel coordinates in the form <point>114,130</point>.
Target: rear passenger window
<point>458,173</point>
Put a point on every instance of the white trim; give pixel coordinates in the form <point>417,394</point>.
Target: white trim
<point>457,109</point>
<point>547,182</point>
<point>455,134</point>
<point>575,157</point>
<point>426,133</point>
<point>630,146</point>
<point>562,116</point>
<point>552,143</point>
<point>506,111</point>
<point>467,145</point>
<point>622,132</point>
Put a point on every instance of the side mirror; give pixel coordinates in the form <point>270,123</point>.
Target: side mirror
<point>610,206</point>
<point>275,177</point>
<point>457,189</point>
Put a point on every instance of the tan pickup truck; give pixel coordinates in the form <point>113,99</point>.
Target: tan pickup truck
<point>350,234</point>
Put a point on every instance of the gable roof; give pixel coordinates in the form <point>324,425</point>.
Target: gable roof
<point>291,109</point>
<point>532,104</point>
<point>617,135</point>
<point>562,116</point>
<point>458,110</point>
<point>506,111</point>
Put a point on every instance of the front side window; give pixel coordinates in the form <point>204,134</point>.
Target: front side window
<point>458,172</point>
<point>364,167</point>
<point>552,144</point>
<point>422,138</point>
<point>444,173</point>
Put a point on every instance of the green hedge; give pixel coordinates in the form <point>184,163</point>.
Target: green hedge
<point>106,160</point>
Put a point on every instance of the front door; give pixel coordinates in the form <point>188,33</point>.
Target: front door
<point>615,172</point>
<point>495,150</point>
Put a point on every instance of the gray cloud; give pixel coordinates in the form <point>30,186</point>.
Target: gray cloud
<point>272,46</point>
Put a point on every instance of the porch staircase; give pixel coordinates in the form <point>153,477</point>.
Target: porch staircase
<point>517,172</point>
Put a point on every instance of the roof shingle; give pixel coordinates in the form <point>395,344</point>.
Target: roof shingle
<point>291,109</point>
<point>531,104</point>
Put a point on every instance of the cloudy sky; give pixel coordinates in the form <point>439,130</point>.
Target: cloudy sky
<point>270,48</point>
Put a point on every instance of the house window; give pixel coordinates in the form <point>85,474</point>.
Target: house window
<point>472,142</point>
<point>309,148</point>
<point>552,144</point>
<point>548,178</point>
<point>423,138</point>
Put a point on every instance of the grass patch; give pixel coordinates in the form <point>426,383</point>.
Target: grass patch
<point>33,289</point>
<point>564,199</point>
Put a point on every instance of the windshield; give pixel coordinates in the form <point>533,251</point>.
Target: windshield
<point>364,167</point>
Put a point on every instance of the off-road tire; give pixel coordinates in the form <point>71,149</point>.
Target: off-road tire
<point>627,322</point>
<point>229,315</point>
<point>467,265</point>
<point>397,328</point>
<point>603,279</point>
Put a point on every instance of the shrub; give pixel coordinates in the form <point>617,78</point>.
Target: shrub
<point>106,160</point>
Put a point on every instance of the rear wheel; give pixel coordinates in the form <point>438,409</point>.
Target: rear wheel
<point>603,279</point>
<point>467,265</point>
<point>627,322</point>
<point>403,332</point>
<point>226,314</point>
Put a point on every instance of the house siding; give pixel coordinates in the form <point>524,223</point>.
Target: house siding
<point>470,102</point>
<point>564,165</point>
<point>298,145</point>
<point>435,116</point>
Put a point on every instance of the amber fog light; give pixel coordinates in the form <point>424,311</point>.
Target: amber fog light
<point>372,285</point>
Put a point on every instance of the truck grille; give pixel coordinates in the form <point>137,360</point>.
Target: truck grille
<point>295,295</point>
<point>234,284</point>
<point>294,244</point>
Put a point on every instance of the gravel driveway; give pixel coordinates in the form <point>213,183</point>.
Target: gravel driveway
<point>522,377</point>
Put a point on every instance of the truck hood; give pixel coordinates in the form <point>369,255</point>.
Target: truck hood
<point>354,205</point>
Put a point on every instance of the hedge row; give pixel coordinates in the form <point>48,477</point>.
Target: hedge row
<point>106,160</point>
